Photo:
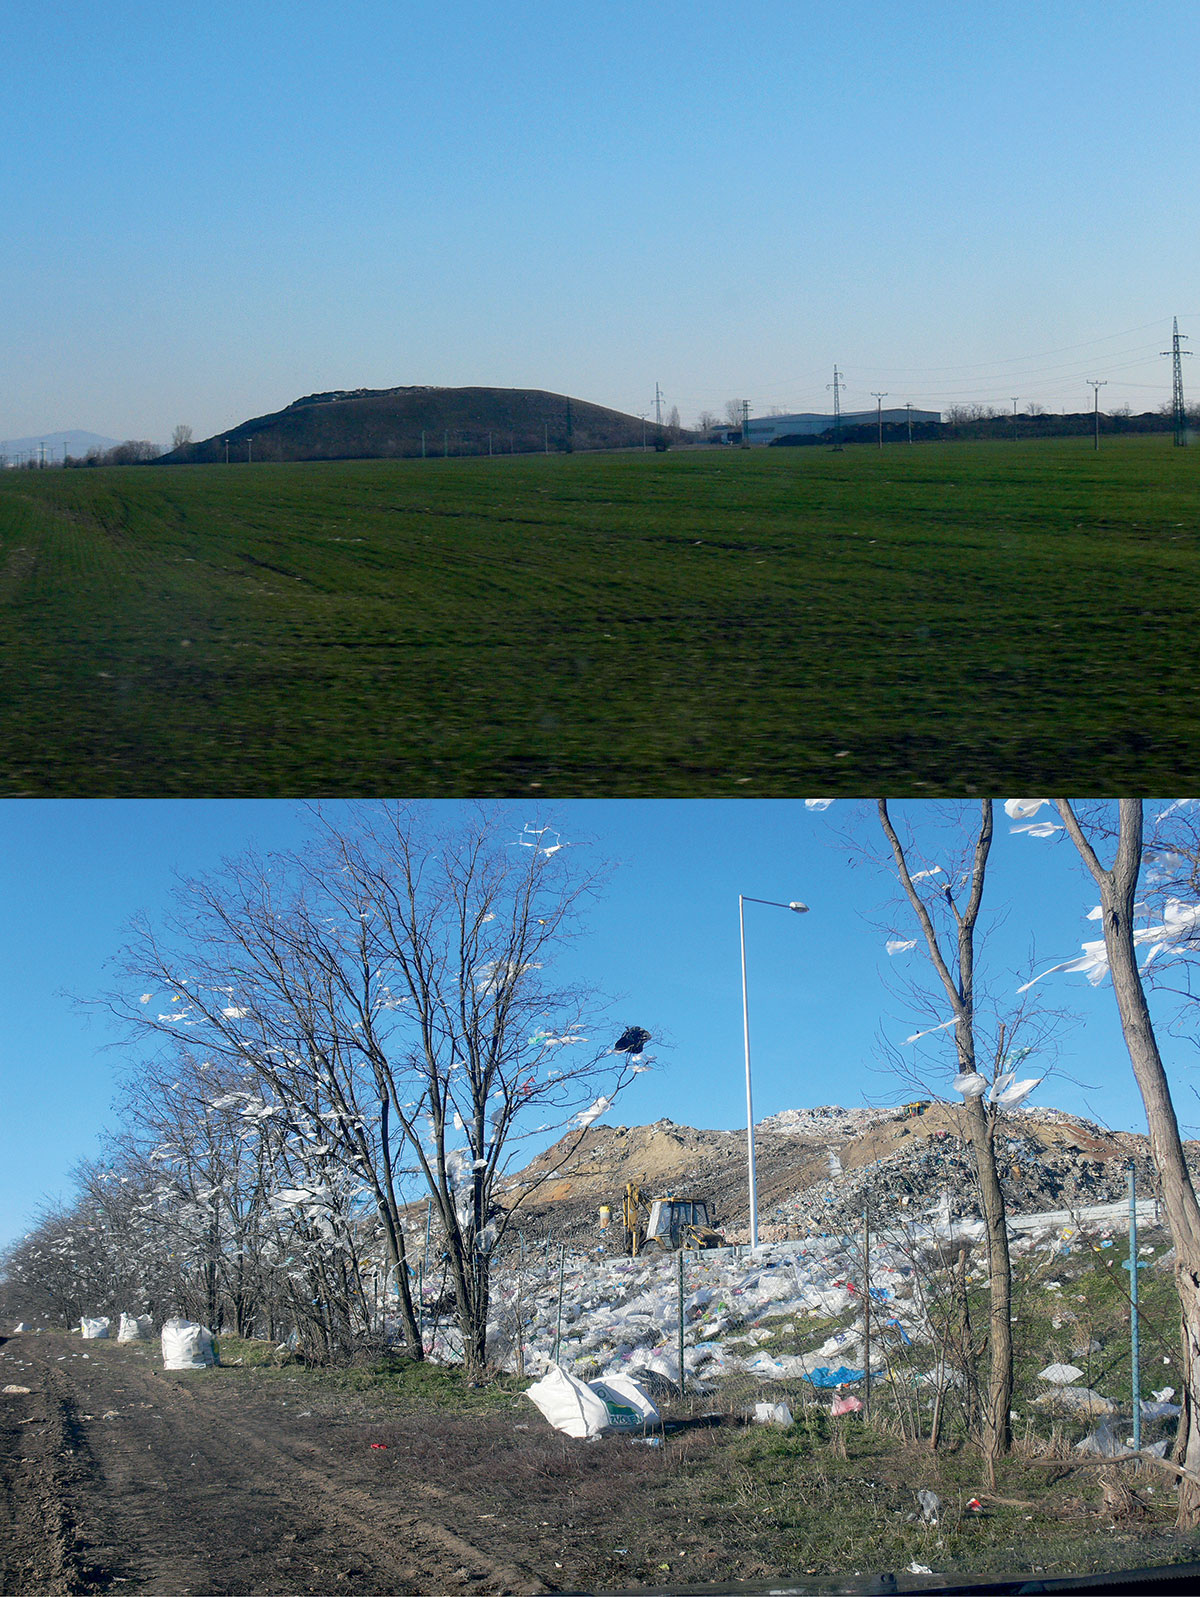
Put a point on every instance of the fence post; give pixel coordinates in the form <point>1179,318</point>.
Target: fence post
<point>562,1254</point>
<point>682,1376</point>
<point>866,1316</point>
<point>1133,1314</point>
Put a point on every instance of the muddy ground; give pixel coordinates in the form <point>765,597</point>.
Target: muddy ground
<point>116,1475</point>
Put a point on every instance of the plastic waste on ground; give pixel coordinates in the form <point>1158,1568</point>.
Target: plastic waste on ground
<point>839,1377</point>
<point>931,1505</point>
<point>1079,1399</point>
<point>1060,1374</point>
<point>585,1409</point>
<point>773,1414</point>
<point>17,1329</point>
<point>94,1330</point>
<point>846,1405</point>
<point>187,1346</point>
<point>135,1328</point>
<point>1102,1442</point>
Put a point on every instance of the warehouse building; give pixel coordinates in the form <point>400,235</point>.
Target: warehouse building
<point>765,429</point>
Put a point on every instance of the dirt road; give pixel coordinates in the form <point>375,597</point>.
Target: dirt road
<point>115,1474</point>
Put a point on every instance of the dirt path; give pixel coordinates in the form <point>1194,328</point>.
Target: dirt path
<point>114,1474</point>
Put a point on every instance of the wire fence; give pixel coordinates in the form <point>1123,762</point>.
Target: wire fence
<point>887,1325</point>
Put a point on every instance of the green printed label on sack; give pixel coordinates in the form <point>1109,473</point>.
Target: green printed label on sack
<point>620,1416</point>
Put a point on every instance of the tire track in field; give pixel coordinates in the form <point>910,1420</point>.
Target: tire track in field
<point>140,1478</point>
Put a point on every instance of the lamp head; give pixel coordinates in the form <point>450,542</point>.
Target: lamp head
<point>798,907</point>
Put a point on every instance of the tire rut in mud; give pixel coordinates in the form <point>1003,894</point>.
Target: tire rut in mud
<point>128,1476</point>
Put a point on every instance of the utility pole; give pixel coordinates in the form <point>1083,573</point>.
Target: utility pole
<point>570,430</point>
<point>837,384</point>
<point>658,399</point>
<point>643,429</point>
<point>489,443</point>
<point>422,443</point>
<point>445,442</point>
<point>249,450</point>
<point>745,424</point>
<point>1014,403</point>
<point>227,451</point>
<point>546,437</point>
<point>908,408</point>
<point>1096,387</point>
<point>1180,414</point>
<point>879,399</point>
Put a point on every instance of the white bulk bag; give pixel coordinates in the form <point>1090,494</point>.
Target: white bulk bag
<point>17,1329</point>
<point>186,1346</point>
<point>586,1409</point>
<point>93,1330</point>
<point>630,1406</point>
<point>135,1328</point>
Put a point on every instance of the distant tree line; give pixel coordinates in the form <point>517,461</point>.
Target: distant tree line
<point>133,452</point>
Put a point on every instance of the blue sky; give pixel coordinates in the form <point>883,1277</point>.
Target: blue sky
<point>664,942</point>
<point>213,210</point>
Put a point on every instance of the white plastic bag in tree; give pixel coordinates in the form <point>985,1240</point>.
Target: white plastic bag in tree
<point>94,1330</point>
<point>187,1346</point>
<point>135,1328</point>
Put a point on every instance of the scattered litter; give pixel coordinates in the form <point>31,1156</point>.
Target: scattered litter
<point>931,1505</point>
<point>773,1414</point>
<point>1102,1443</point>
<point>919,1569</point>
<point>17,1329</point>
<point>16,1391</point>
<point>379,1447</point>
<point>1060,1374</point>
<point>975,1506</point>
<point>94,1330</point>
<point>846,1405</point>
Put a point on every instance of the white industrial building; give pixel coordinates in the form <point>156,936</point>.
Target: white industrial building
<point>765,429</point>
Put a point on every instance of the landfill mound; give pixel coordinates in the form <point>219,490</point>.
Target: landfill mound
<point>820,1168</point>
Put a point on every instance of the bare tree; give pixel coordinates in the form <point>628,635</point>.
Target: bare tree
<point>707,421</point>
<point>181,437</point>
<point>952,955</point>
<point>386,991</point>
<point>733,412</point>
<point>1118,884</point>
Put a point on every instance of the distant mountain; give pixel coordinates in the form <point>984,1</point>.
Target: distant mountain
<point>75,442</point>
<point>367,423</point>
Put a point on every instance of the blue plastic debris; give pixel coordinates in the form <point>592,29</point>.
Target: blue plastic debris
<point>838,1377</point>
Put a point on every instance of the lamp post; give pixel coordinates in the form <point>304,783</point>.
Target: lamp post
<point>799,909</point>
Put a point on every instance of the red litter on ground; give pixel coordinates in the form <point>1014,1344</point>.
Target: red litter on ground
<point>975,1505</point>
<point>381,1447</point>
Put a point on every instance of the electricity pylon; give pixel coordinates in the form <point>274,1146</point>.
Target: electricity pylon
<point>1177,408</point>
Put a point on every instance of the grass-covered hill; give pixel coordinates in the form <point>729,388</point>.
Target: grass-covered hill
<point>388,423</point>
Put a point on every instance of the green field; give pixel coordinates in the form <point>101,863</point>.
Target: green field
<point>929,619</point>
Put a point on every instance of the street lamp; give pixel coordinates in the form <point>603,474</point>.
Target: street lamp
<point>799,909</point>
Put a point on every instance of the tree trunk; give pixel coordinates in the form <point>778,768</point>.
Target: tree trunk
<point>1118,888</point>
<point>997,1410</point>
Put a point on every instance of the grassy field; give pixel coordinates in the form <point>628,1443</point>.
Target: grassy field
<point>933,619</point>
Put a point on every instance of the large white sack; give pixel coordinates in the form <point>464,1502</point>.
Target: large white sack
<point>630,1406</point>
<point>585,1409</point>
<point>569,1405</point>
<point>186,1346</point>
<point>135,1328</point>
<point>17,1329</point>
<point>93,1330</point>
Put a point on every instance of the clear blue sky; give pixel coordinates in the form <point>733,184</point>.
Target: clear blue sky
<point>664,940</point>
<point>212,210</point>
